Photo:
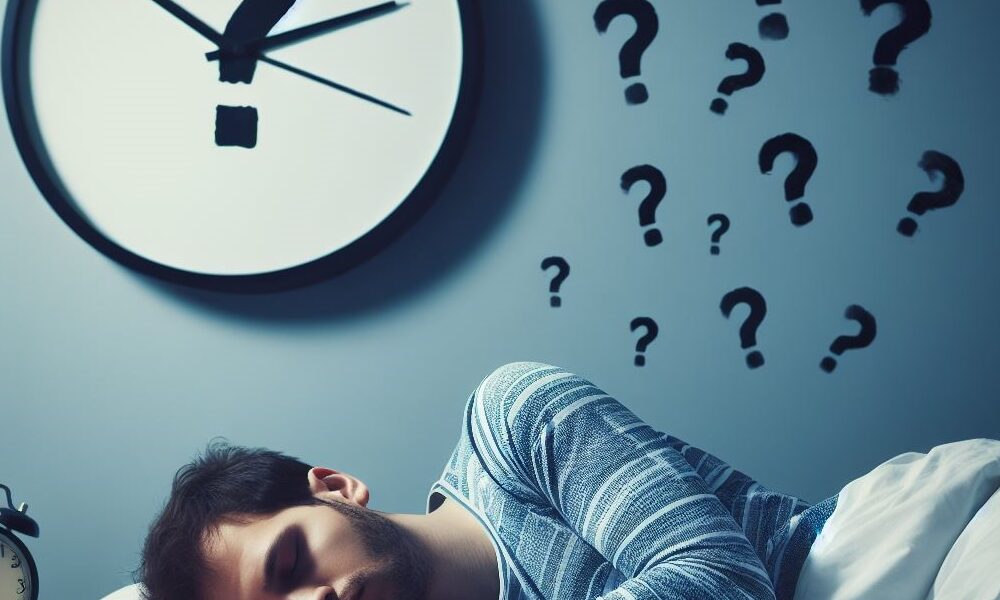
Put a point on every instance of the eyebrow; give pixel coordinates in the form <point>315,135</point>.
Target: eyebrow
<point>271,558</point>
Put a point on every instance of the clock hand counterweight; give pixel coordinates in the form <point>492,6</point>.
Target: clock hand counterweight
<point>333,84</point>
<point>300,33</point>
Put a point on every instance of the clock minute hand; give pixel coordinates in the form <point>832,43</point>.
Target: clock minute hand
<point>194,23</point>
<point>300,33</point>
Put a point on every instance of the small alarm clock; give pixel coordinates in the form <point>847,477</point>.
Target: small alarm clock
<point>18,575</point>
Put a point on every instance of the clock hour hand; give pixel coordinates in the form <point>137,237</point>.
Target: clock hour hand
<point>194,23</point>
<point>301,33</point>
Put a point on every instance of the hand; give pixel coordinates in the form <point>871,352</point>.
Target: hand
<point>329,83</point>
<point>191,21</point>
<point>300,33</point>
<point>225,45</point>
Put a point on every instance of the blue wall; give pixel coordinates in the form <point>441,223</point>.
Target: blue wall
<point>111,381</point>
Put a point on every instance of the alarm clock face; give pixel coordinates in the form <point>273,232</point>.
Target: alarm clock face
<point>151,148</point>
<point>18,577</point>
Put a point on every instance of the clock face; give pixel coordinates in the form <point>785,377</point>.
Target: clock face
<point>17,570</point>
<point>310,154</point>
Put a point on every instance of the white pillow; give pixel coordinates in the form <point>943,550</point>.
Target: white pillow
<point>969,572</point>
<point>893,527</point>
<point>129,592</point>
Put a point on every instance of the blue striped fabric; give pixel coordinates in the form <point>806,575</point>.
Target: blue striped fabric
<point>583,500</point>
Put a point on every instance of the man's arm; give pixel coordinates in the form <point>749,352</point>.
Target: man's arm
<point>617,483</point>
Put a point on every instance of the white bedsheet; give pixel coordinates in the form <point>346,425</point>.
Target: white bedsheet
<point>129,592</point>
<point>917,526</point>
<point>971,571</point>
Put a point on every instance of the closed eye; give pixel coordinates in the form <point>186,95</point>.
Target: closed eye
<point>289,577</point>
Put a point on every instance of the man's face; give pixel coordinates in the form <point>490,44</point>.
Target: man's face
<point>354,550</point>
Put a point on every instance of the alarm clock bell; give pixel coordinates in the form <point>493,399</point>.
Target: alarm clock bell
<point>17,520</point>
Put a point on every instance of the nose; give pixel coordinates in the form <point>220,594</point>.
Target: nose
<point>323,592</point>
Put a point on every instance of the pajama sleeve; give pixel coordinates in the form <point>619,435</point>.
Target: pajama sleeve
<point>559,440</point>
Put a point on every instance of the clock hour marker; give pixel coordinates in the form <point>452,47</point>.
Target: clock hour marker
<point>236,126</point>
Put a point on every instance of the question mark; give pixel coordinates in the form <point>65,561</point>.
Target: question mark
<point>647,209</point>
<point>748,331</point>
<point>646,26</point>
<point>723,227</point>
<point>883,79</point>
<point>651,331</point>
<point>752,76</point>
<point>954,184</point>
<point>795,184</point>
<point>849,342</point>
<point>563,268</point>
<point>774,26</point>
<point>237,125</point>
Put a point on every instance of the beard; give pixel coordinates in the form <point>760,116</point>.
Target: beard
<point>403,561</point>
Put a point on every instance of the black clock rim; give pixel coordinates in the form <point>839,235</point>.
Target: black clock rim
<point>25,554</point>
<point>23,124</point>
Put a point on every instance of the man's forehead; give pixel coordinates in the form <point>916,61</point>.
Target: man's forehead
<point>234,554</point>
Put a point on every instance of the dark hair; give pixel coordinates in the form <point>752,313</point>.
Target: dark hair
<point>227,484</point>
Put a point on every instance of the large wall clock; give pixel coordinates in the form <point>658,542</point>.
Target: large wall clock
<point>246,146</point>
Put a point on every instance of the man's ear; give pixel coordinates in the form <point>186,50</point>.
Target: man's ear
<point>330,484</point>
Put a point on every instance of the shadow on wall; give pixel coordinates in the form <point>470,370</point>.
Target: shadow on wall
<point>500,148</point>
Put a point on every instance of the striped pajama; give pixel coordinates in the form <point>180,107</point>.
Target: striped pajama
<point>583,500</point>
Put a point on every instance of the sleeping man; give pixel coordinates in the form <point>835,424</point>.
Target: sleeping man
<point>554,491</point>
